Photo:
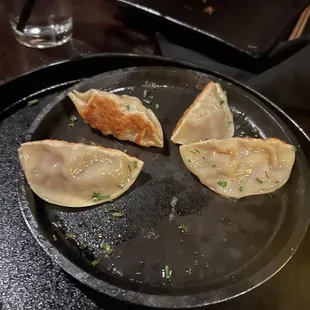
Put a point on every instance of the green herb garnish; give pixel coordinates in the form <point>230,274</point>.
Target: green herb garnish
<point>153,85</point>
<point>266,173</point>
<point>84,245</point>
<point>259,180</point>
<point>107,248</point>
<point>197,151</point>
<point>117,214</point>
<point>73,118</point>
<point>129,168</point>
<point>167,272</point>
<point>240,189</point>
<point>294,148</point>
<point>214,166</point>
<point>97,196</point>
<point>156,106</point>
<point>147,101</point>
<point>145,92</point>
<point>71,124</point>
<point>54,237</point>
<point>33,102</point>
<point>70,235</point>
<point>135,164</point>
<point>128,107</point>
<point>110,209</point>
<point>56,225</point>
<point>98,236</point>
<point>222,184</point>
<point>95,262</point>
<point>189,270</point>
<point>189,160</point>
<point>222,102</point>
<point>184,229</point>
<point>151,97</point>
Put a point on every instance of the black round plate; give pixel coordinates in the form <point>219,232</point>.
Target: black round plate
<point>231,247</point>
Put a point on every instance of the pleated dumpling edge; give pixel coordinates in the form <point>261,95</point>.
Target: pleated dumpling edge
<point>208,117</point>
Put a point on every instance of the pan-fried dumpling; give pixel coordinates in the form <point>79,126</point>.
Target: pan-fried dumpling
<point>238,167</point>
<point>124,117</point>
<point>75,174</point>
<point>208,117</point>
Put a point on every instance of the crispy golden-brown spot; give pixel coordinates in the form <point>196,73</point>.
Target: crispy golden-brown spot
<point>102,113</point>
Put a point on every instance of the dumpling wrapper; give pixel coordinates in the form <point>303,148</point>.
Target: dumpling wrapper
<point>239,167</point>
<point>208,117</point>
<point>124,117</point>
<point>67,174</point>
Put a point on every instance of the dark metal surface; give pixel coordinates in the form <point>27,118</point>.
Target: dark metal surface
<point>232,246</point>
<point>29,279</point>
<point>251,27</point>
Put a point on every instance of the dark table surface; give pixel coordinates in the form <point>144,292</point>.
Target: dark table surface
<point>100,26</point>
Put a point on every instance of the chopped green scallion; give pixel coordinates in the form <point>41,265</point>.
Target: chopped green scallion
<point>222,184</point>
<point>107,248</point>
<point>184,229</point>
<point>97,196</point>
<point>54,237</point>
<point>167,272</point>
<point>73,118</point>
<point>95,262</point>
<point>241,189</point>
<point>259,180</point>
<point>84,245</point>
<point>222,102</point>
<point>214,166</point>
<point>189,160</point>
<point>33,102</point>
<point>147,101</point>
<point>135,164</point>
<point>117,214</point>
<point>98,236</point>
<point>70,235</point>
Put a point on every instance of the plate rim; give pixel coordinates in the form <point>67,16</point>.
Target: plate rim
<point>167,301</point>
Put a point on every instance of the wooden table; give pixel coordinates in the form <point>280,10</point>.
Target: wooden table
<point>99,26</point>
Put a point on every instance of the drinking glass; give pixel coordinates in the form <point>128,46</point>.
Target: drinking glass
<point>40,23</point>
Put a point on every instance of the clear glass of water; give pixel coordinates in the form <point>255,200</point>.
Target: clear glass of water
<point>40,23</point>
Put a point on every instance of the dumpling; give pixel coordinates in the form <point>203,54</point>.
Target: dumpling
<point>208,117</point>
<point>124,117</point>
<point>75,174</point>
<point>238,167</point>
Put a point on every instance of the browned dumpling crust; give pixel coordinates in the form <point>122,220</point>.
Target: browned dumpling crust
<point>124,117</point>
